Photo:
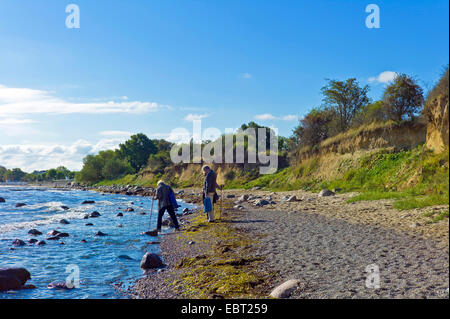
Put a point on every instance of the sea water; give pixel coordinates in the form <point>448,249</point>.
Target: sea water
<point>102,264</point>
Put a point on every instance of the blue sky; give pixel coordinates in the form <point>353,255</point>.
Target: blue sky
<point>150,66</point>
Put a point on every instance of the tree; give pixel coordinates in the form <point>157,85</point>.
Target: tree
<point>14,175</point>
<point>137,150</point>
<point>345,98</point>
<point>313,128</point>
<point>375,112</point>
<point>403,98</point>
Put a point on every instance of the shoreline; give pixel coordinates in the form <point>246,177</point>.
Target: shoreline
<point>308,238</point>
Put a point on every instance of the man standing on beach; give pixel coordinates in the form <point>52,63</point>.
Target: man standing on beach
<point>165,203</point>
<point>209,189</point>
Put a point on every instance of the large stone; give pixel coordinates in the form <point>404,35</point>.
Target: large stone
<point>20,205</point>
<point>286,289</point>
<point>151,261</point>
<point>13,278</point>
<point>326,192</point>
<point>99,233</point>
<point>65,207</point>
<point>64,222</point>
<point>18,242</point>
<point>34,232</point>
<point>88,202</point>
<point>261,202</point>
<point>2,200</point>
<point>53,233</point>
<point>94,214</point>
<point>243,198</point>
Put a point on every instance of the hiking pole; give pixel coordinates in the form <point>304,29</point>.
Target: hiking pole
<point>221,203</point>
<point>151,212</point>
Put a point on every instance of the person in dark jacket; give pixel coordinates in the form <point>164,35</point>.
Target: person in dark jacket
<point>209,189</point>
<point>165,203</point>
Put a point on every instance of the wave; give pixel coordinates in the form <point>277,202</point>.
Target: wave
<point>44,220</point>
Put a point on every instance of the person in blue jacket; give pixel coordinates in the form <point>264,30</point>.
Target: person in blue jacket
<point>165,202</point>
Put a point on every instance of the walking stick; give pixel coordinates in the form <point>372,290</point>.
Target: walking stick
<point>221,203</point>
<point>151,213</point>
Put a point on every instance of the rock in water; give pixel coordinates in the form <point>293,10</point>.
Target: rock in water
<point>53,233</point>
<point>151,261</point>
<point>65,207</point>
<point>20,205</point>
<point>18,242</point>
<point>119,215</point>
<point>88,202</point>
<point>41,243</point>
<point>32,241</point>
<point>58,285</point>
<point>125,257</point>
<point>94,214</point>
<point>99,233</point>
<point>2,200</point>
<point>153,233</point>
<point>34,232</point>
<point>325,192</point>
<point>13,278</point>
<point>286,289</point>
<point>129,209</point>
<point>64,222</point>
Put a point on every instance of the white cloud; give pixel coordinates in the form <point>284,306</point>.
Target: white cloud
<point>270,117</point>
<point>115,133</point>
<point>289,117</point>
<point>383,77</point>
<point>265,117</point>
<point>195,117</point>
<point>245,76</point>
<point>14,101</point>
<point>14,121</point>
<point>30,157</point>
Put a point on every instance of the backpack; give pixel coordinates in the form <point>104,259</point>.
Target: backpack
<point>173,200</point>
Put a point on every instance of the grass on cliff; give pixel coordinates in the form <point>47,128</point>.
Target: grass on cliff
<point>414,178</point>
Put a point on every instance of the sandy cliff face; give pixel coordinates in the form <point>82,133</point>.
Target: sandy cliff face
<point>437,129</point>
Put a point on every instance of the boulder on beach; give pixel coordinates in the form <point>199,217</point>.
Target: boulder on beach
<point>64,222</point>
<point>18,242</point>
<point>286,289</point>
<point>230,196</point>
<point>20,205</point>
<point>261,202</point>
<point>168,222</point>
<point>94,214</point>
<point>243,198</point>
<point>34,232</point>
<point>88,202</point>
<point>2,200</point>
<point>151,261</point>
<point>13,278</point>
<point>325,192</point>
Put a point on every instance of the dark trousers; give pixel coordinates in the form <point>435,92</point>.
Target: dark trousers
<point>172,215</point>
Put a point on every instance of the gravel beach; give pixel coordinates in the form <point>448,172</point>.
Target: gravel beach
<point>327,244</point>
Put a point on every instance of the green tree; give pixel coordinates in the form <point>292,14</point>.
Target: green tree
<point>375,112</point>
<point>403,98</point>
<point>345,98</point>
<point>137,150</point>
<point>14,175</point>
<point>313,128</point>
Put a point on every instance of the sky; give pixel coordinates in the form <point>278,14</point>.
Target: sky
<point>153,66</point>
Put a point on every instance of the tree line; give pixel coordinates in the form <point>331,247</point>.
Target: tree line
<point>17,175</point>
